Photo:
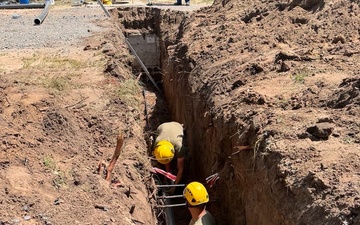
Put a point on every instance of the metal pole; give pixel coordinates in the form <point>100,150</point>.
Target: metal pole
<point>22,6</point>
<point>103,8</point>
<point>172,196</point>
<point>170,185</point>
<point>170,206</point>
<point>141,64</point>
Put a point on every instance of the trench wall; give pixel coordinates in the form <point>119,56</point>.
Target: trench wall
<point>275,182</point>
<point>248,189</point>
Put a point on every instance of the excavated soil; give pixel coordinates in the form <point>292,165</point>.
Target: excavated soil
<point>278,77</point>
<point>61,110</point>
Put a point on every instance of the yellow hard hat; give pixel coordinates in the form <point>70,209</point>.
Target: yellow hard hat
<point>195,194</point>
<point>164,152</point>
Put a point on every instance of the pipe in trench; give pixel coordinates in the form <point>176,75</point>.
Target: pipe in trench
<point>23,6</point>
<point>43,14</point>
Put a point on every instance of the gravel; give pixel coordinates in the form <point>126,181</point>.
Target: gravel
<point>63,25</point>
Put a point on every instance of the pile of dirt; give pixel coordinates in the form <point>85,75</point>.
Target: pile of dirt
<point>61,109</point>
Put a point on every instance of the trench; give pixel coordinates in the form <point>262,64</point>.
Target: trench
<point>248,184</point>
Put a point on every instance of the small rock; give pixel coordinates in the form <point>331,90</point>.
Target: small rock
<point>325,120</point>
<point>104,208</point>
<point>57,201</point>
<point>339,38</point>
<point>27,217</point>
<point>303,135</point>
<point>26,208</point>
<point>15,221</point>
<point>16,16</point>
<point>283,67</point>
<point>321,130</point>
<point>323,167</point>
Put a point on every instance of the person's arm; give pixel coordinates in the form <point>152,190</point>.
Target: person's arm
<point>180,169</point>
<point>168,167</point>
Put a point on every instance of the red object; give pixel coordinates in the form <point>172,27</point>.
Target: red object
<point>166,174</point>
<point>211,180</point>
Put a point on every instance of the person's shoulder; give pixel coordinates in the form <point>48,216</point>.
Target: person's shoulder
<point>172,123</point>
<point>176,123</point>
<point>208,218</point>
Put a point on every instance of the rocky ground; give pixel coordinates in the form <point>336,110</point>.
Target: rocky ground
<point>280,77</point>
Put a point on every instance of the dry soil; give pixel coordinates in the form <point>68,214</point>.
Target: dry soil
<point>280,77</point>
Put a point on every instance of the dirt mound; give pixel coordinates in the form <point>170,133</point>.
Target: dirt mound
<point>60,116</point>
<point>281,67</point>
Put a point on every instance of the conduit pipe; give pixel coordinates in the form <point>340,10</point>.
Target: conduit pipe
<point>23,6</point>
<point>43,14</point>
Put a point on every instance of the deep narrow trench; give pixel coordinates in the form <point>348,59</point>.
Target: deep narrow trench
<point>147,47</point>
<point>244,193</point>
<point>144,38</point>
<point>141,26</point>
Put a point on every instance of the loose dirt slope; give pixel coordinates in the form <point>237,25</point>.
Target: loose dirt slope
<point>60,114</point>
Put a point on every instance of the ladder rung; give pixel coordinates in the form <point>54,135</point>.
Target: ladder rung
<point>170,185</point>
<point>171,196</point>
<point>173,205</point>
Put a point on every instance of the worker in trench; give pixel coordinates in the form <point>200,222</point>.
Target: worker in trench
<point>196,197</point>
<point>168,145</point>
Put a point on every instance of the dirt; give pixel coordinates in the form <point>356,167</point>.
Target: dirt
<point>60,115</point>
<point>279,77</point>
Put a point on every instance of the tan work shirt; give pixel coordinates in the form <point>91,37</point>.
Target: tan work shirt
<point>206,219</point>
<point>172,132</point>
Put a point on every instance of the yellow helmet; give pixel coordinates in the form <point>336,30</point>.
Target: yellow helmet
<point>164,152</point>
<point>195,194</point>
